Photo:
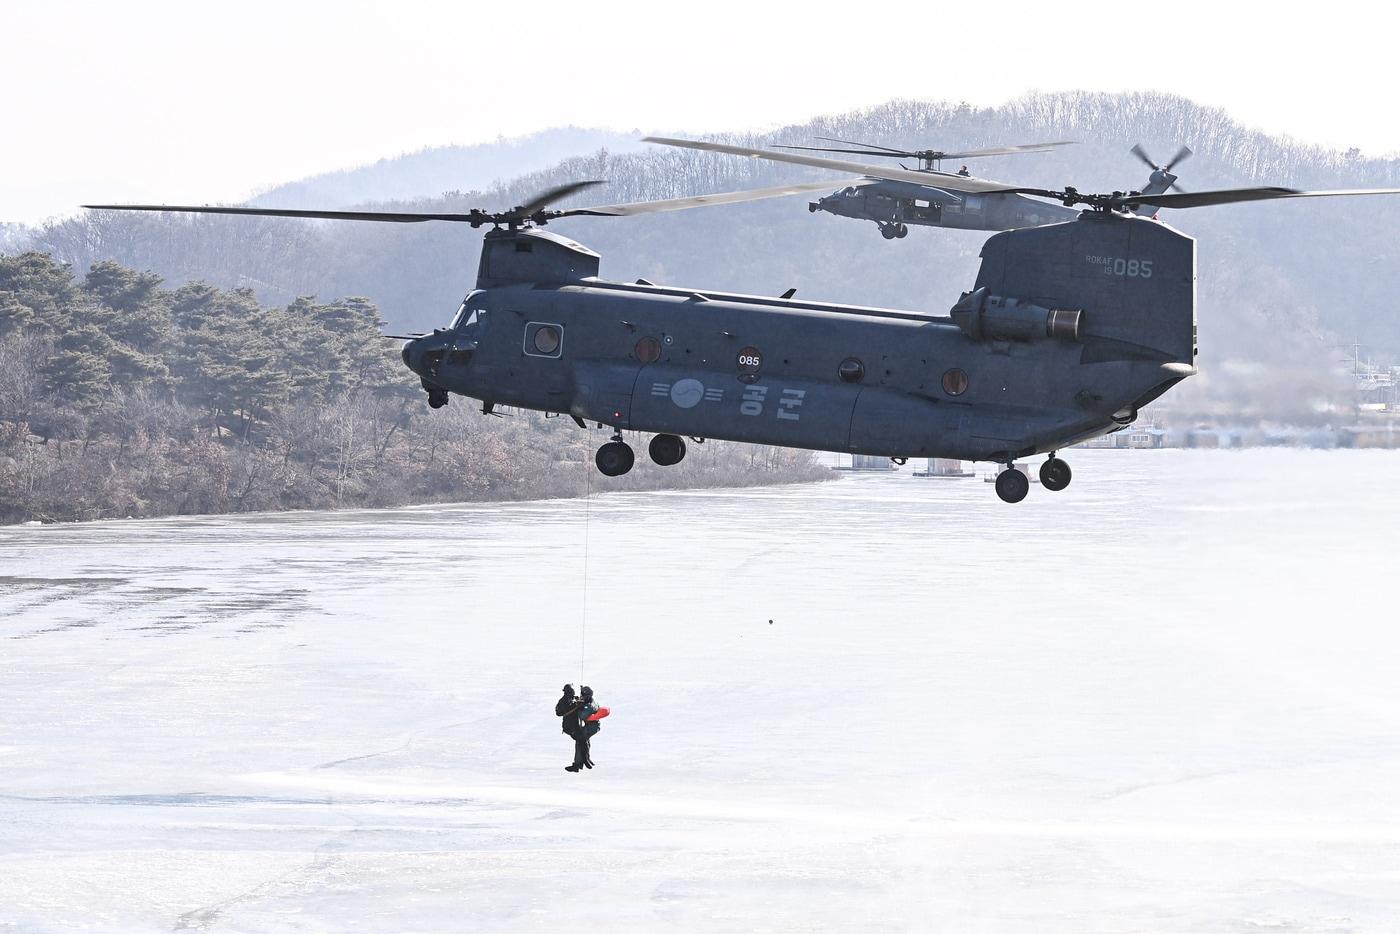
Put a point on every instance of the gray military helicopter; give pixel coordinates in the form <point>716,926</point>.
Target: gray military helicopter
<point>927,196</point>
<point>1067,332</point>
<point>894,205</point>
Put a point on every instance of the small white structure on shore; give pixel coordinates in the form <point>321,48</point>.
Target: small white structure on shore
<point>944,468</point>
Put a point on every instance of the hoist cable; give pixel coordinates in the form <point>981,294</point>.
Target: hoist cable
<point>587,516</point>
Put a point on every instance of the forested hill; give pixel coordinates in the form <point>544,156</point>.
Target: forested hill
<point>431,171</point>
<point>1281,285</point>
<point>119,397</point>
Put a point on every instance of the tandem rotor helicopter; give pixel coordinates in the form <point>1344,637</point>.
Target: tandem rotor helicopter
<point>1068,330</point>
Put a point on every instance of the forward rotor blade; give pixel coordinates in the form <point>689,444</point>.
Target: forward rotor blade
<point>1199,199</point>
<point>392,217</point>
<point>544,199</point>
<point>723,197</point>
<point>475,218</point>
<point>940,179</point>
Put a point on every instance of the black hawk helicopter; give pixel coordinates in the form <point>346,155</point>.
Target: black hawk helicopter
<point>1067,332</point>
<point>926,196</point>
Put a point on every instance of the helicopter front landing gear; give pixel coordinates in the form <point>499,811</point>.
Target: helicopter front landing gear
<point>1012,485</point>
<point>666,450</point>
<point>437,398</point>
<point>1054,474</point>
<point>615,458</point>
<point>891,231</point>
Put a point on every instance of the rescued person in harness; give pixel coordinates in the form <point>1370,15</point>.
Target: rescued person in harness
<point>580,721</point>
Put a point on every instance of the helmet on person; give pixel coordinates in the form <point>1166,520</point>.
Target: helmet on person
<point>586,692</point>
<point>569,690</point>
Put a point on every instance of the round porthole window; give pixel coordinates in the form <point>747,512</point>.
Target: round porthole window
<point>547,339</point>
<point>955,382</point>
<point>851,370</point>
<point>648,350</point>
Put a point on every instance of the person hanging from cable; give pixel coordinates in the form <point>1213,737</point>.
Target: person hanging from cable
<point>568,707</point>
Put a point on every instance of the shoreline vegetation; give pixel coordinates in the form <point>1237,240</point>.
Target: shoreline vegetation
<point>121,398</point>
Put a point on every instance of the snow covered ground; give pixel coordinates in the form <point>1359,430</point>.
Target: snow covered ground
<point>1166,699</point>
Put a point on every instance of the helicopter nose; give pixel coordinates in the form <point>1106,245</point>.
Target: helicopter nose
<point>425,355</point>
<point>410,354</point>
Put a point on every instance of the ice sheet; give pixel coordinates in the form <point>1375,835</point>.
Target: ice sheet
<point>1165,699</point>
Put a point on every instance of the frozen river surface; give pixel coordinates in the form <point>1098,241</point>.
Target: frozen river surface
<point>1165,700</point>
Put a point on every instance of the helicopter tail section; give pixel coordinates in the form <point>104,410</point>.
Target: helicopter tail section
<point>1132,280</point>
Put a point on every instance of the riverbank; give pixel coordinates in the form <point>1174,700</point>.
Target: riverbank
<point>364,454</point>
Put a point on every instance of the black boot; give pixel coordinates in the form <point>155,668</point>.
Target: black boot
<point>572,768</point>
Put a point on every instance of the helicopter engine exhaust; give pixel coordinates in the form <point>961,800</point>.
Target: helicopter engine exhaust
<point>993,318</point>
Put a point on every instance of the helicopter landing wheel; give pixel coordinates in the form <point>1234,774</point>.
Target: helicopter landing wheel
<point>1055,474</point>
<point>666,450</point>
<point>902,231</point>
<point>614,458</point>
<point>1012,485</point>
<point>888,231</point>
<point>437,398</point>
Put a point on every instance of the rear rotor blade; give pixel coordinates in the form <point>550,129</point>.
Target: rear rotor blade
<point>1199,199</point>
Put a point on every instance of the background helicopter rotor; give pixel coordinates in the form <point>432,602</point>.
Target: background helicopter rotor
<point>1181,155</point>
<point>1163,173</point>
<point>927,155</point>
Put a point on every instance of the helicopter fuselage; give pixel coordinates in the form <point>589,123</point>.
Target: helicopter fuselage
<point>894,205</point>
<point>1011,372</point>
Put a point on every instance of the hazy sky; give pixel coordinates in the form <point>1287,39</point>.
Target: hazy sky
<point>181,101</point>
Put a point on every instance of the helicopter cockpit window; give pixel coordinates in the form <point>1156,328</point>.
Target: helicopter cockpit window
<point>466,312</point>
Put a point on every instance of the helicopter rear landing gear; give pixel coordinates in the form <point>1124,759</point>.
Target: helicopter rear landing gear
<point>1012,485</point>
<point>1054,474</point>
<point>437,398</point>
<point>666,450</point>
<point>614,458</point>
